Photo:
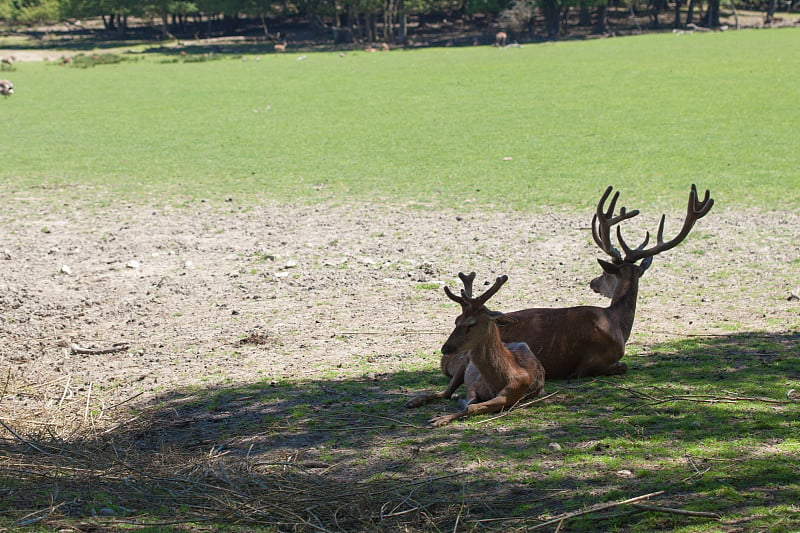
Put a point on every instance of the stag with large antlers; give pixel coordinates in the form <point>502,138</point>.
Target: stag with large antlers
<point>496,374</point>
<point>590,341</point>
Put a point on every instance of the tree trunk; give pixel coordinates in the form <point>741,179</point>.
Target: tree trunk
<point>584,15</point>
<point>633,17</point>
<point>712,14</point>
<point>771,6</point>
<point>677,22</point>
<point>601,23</point>
<point>165,25</point>
<point>735,14</point>
<point>371,27</point>
<point>655,11</point>
<point>108,23</point>
<point>402,23</point>
<point>552,18</point>
<point>690,12</point>
<point>264,24</point>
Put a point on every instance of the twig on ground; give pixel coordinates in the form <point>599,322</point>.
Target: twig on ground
<point>66,390</point>
<point>697,474</point>
<point>670,510</point>
<point>88,399</point>
<point>710,398</point>
<point>593,509</point>
<point>382,333</point>
<point>42,513</point>
<point>116,347</point>
<point>20,438</point>
<point>518,406</point>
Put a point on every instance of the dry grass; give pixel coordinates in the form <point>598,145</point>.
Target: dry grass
<point>64,454</point>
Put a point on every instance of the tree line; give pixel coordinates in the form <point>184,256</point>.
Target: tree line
<point>347,21</point>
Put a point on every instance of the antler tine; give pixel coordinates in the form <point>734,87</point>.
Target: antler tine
<point>694,212</point>
<point>491,291</point>
<point>602,222</point>
<point>467,281</point>
<point>459,299</point>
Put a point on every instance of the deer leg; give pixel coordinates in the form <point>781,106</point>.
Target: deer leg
<point>492,406</point>
<point>472,396</point>
<point>617,368</point>
<point>422,399</point>
<point>594,369</point>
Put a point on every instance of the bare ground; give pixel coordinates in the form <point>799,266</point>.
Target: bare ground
<point>330,287</point>
<point>226,295</point>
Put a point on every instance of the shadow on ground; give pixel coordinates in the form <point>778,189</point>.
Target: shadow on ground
<point>708,424</point>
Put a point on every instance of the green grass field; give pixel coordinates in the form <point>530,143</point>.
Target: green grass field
<point>526,127</point>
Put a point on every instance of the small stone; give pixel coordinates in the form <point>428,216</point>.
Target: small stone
<point>188,264</point>
<point>624,473</point>
<point>556,447</point>
<point>65,269</point>
<point>5,254</point>
<point>133,263</point>
<point>290,264</point>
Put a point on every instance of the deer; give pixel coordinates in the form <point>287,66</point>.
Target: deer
<point>497,375</point>
<point>582,341</point>
<point>6,88</point>
<point>500,39</point>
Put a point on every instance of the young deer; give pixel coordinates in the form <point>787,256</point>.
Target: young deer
<point>590,341</point>
<point>497,375</point>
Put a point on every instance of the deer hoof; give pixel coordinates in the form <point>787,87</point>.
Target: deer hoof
<point>440,421</point>
<point>617,368</point>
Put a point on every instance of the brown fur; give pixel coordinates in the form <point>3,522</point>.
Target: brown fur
<point>497,374</point>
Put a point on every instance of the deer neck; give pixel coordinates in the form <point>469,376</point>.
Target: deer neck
<point>491,357</point>
<point>623,303</point>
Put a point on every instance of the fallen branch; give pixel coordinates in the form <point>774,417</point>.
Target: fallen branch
<point>383,333</point>
<point>710,398</point>
<point>670,510</point>
<point>117,347</point>
<point>593,509</point>
<point>23,440</point>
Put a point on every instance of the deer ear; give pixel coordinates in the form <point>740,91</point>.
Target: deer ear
<point>611,268</point>
<point>645,264</point>
<point>503,320</point>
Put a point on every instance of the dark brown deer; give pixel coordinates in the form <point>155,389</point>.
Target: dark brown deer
<point>586,340</point>
<point>496,375</point>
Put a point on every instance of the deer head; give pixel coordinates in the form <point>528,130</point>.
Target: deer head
<point>623,269</point>
<point>475,320</point>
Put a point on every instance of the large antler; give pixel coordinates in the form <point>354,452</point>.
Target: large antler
<point>694,212</point>
<point>466,300</point>
<point>602,222</point>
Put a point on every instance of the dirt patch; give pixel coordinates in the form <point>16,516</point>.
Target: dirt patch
<point>206,295</point>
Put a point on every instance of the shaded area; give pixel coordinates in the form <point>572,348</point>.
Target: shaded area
<point>710,421</point>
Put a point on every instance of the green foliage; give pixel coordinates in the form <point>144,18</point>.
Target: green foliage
<point>29,12</point>
<point>490,7</point>
<point>93,60</point>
